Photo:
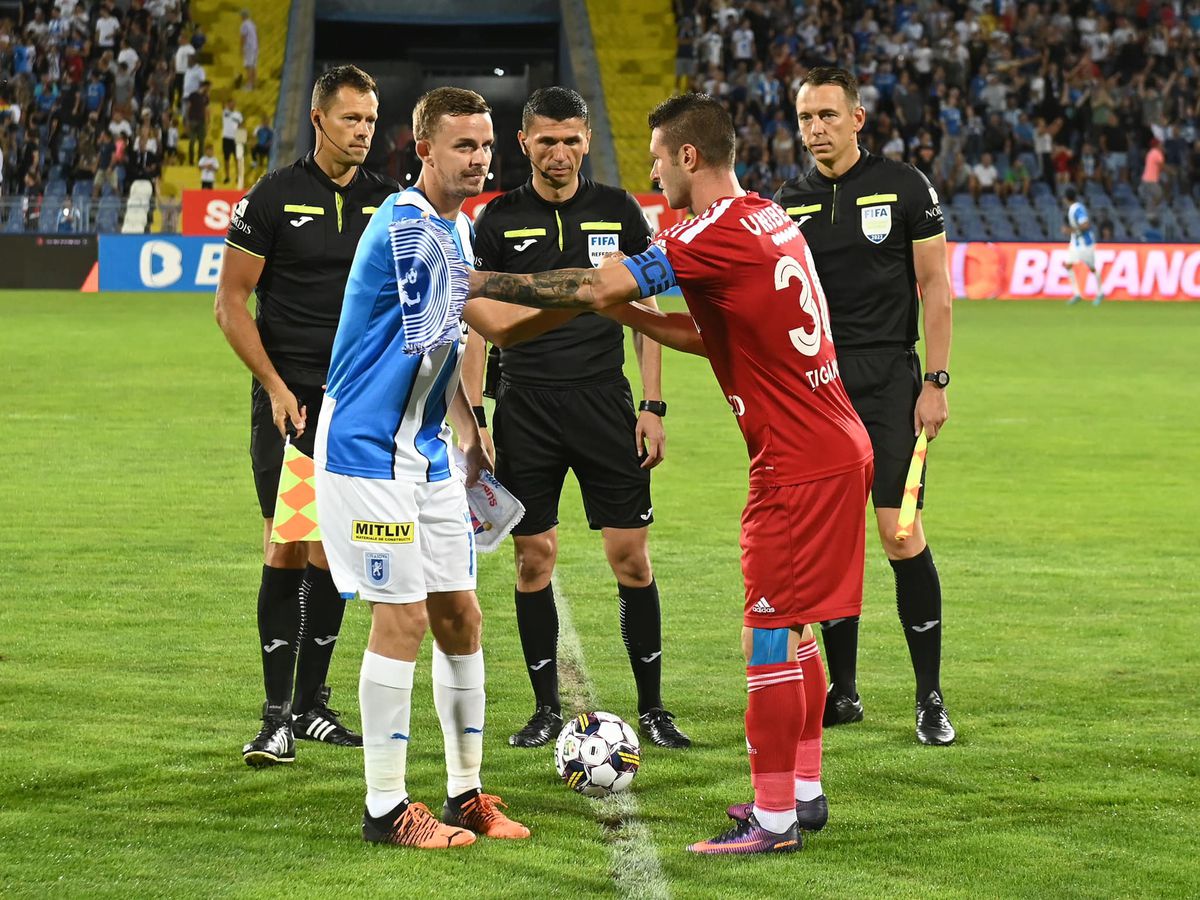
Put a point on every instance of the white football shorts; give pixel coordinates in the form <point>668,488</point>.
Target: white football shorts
<point>395,541</point>
<point>1082,254</point>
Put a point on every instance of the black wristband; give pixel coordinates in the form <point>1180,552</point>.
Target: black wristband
<point>480,416</point>
<point>658,407</point>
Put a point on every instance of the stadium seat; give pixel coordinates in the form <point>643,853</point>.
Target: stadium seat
<point>1018,200</point>
<point>137,210</point>
<point>989,201</point>
<point>1001,228</point>
<point>14,221</point>
<point>1184,203</point>
<point>108,213</point>
<point>1040,189</point>
<point>963,200</point>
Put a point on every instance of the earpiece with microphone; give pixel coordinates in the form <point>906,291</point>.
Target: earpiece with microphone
<point>321,128</point>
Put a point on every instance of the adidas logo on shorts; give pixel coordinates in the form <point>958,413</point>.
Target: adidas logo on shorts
<point>762,606</point>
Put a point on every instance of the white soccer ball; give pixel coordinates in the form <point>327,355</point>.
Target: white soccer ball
<point>597,754</point>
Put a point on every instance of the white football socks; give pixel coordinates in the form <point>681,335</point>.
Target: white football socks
<point>808,790</point>
<point>777,822</point>
<point>459,698</point>
<point>385,702</point>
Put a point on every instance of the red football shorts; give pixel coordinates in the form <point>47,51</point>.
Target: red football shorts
<point>802,550</point>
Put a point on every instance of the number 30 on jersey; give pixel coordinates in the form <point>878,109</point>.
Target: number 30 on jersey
<point>812,302</point>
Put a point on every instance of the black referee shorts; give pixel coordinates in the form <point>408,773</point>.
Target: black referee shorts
<point>884,386</point>
<point>266,444</point>
<point>539,434</point>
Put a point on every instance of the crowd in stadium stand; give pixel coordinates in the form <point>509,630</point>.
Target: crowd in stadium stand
<point>92,98</point>
<point>999,103</point>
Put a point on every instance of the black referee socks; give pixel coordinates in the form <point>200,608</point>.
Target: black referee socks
<point>321,611</point>
<point>278,627</point>
<point>919,604</point>
<point>641,629</point>
<point>840,637</point>
<point>537,623</point>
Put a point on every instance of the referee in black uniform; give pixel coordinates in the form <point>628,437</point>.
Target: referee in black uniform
<point>291,241</point>
<point>876,233</point>
<point>563,403</point>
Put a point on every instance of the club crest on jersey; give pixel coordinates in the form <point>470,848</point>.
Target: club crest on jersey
<point>602,246</point>
<point>876,223</point>
<point>378,568</point>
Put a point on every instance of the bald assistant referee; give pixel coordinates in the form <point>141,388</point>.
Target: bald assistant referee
<point>876,233</point>
<point>291,241</point>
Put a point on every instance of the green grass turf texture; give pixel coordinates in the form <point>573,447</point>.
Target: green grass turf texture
<point>1062,513</point>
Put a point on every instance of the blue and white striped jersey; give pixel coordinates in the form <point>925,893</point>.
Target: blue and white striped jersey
<point>389,411</point>
<point>1076,215</point>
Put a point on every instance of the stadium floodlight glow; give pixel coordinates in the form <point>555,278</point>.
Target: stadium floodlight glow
<point>499,73</point>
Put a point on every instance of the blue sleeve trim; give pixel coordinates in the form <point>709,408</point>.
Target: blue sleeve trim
<point>652,271</point>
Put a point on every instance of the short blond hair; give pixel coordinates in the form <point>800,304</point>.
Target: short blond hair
<point>444,101</point>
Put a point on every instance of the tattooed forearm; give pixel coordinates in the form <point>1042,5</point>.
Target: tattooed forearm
<point>561,289</point>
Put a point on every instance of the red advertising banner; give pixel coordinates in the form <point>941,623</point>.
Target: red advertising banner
<point>658,214</point>
<point>206,213</point>
<point>1013,271</point>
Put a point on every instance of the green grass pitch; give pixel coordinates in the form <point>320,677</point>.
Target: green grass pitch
<point>1062,512</point>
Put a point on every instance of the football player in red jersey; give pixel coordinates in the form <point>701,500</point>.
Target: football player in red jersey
<point>757,311</point>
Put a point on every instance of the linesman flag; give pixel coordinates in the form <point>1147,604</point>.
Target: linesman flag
<point>912,487</point>
<point>433,283</point>
<point>296,501</point>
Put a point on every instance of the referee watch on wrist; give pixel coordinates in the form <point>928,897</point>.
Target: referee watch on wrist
<point>658,407</point>
<point>940,378</point>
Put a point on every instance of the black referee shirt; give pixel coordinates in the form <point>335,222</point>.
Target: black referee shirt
<point>861,229</point>
<point>306,228</point>
<point>520,232</point>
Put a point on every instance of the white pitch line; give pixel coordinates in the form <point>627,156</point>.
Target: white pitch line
<point>636,870</point>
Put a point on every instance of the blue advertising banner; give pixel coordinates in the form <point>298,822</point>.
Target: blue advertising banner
<point>159,262</point>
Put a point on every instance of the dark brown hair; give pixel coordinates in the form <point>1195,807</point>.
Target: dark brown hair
<point>833,75</point>
<point>332,80</point>
<point>699,120</point>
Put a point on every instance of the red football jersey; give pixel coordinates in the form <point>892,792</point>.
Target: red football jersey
<point>750,283</point>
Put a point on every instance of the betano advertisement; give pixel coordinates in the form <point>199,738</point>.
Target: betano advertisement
<point>1039,271</point>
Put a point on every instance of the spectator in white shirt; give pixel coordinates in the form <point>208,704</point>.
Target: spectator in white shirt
<point>183,60</point>
<point>249,33</point>
<point>743,42</point>
<point>192,79</point>
<point>984,176</point>
<point>107,26</point>
<point>231,123</point>
<point>208,168</point>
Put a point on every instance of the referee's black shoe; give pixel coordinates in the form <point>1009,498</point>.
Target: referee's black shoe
<point>274,743</point>
<point>322,724</point>
<point>659,725</point>
<point>933,722</point>
<point>543,726</point>
<point>841,709</point>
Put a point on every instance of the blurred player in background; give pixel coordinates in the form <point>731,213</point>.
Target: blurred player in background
<point>1082,247</point>
<point>563,402</point>
<point>391,503</point>
<point>758,313</point>
<point>876,233</point>
<point>290,242</point>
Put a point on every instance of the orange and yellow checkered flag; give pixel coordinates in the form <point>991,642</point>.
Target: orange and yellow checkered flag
<point>296,502</point>
<point>912,488</point>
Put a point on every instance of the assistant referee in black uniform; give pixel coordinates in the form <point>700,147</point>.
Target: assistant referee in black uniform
<point>291,241</point>
<point>563,402</point>
<point>877,236</point>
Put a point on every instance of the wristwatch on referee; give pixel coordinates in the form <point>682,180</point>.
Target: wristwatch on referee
<point>940,378</point>
<point>658,407</point>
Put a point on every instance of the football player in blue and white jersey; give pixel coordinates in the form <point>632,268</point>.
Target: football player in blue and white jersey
<point>392,506</point>
<point>1082,248</point>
